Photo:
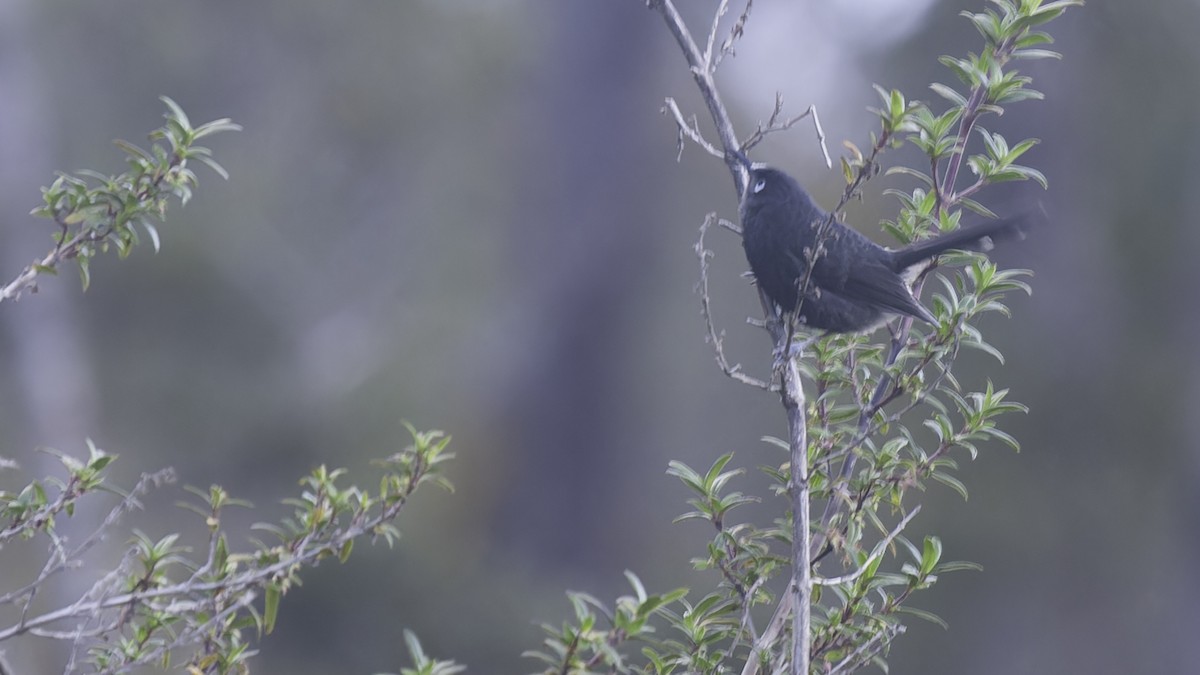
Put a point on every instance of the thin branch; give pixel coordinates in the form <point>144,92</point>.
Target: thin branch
<point>702,72</point>
<point>773,125</point>
<point>714,338</point>
<point>746,625</point>
<point>867,650</point>
<point>27,279</point>
<point>763,644</point>
<point>304,552</point>
<point>735,33</point>
<point>60,559</point>
<point>709,57</point>
<point>821,136</point>
<point>689,129</point>
<point>966,124</point>
<point>875,553</point>
<point>732,227</point>
<point>945,196</point>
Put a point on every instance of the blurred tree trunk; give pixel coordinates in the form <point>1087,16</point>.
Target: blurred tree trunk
<point>51,396</point>
<point>583,252</point>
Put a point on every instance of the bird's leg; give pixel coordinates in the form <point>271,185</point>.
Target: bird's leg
<point>791,349</point>
<point>782,351</point>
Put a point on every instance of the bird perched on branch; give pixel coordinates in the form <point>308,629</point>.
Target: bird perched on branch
<point>829,276</point>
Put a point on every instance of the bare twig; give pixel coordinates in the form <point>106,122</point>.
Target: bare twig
<point>716,339</point>
<point>731,226</point>
<point>778,620</point>
<point>867,650</point>
<point>746,624</point>
<point>735,33</point>
<point>689,129</point>
<point>709,57</point>
<point>773,125</point>
<point>879,549</point>
<point>702,72</point>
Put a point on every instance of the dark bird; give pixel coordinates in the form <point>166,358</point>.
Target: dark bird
<point>855,284</point>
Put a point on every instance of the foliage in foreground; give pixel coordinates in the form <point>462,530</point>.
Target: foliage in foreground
<point>159,602</point>
<point>882,421</point>
<point>155,601</point>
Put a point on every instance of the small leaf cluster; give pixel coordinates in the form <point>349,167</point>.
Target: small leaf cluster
<point>33,509</point>
<point>97,212</point>
<point>422,664</point>
<point>739,551</point>
<point>991,83</point>
<point>595,642</point>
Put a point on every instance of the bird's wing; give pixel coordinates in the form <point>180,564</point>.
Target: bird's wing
<point>872,282</point>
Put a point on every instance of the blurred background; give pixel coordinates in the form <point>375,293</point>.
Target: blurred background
<point>469,214</point>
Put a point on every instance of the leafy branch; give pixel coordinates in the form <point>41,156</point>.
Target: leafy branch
<point>160,603</point>
<point>95,212</point>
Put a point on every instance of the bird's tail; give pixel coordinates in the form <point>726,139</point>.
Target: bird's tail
<point>971,238</point>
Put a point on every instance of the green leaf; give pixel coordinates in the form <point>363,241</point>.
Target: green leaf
<point>958,566</point>
<point>687,475</point>
<point>271,607</point>
<point>978,208</point>
<point>923,614</point>
<point>153,233</point>
<point>176,112</point>
<point>1033,38</point>
<point>215,126</point>
<point>85,274</point>
<point>1031,54</point>
<point>1005,438</point>
<point>906,171</point>
<point>954,483</point>
<point>212,164</point>
<point>949,94</point>
<point>638,589</point>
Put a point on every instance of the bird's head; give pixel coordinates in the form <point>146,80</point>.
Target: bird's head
<point>770,186</point>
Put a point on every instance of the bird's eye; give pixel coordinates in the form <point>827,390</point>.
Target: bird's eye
<point>758,187</point>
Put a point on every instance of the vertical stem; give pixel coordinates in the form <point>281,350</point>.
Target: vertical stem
<point>702,67</point>
<point>1000,55</point>
<point>793,402</point>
